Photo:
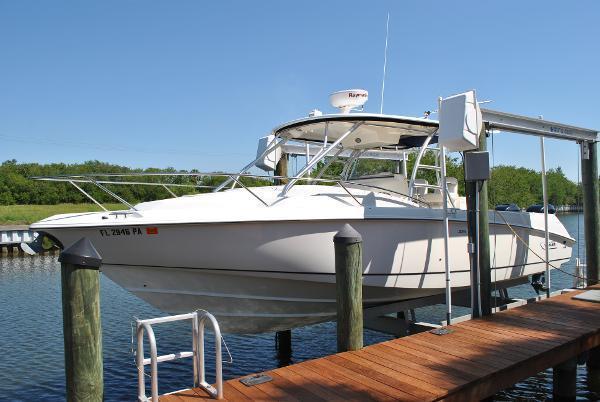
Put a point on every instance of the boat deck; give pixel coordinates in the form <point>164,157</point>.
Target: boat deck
<point>476,360</point>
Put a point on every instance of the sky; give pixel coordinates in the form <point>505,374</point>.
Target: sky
<point>194,84</point>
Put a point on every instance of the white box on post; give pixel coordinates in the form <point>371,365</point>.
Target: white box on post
<point>460,122</point>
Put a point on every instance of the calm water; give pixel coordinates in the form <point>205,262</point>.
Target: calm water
<point>31,366</point>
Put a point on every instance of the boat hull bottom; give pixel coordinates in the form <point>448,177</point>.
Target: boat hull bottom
<point>246,302</point>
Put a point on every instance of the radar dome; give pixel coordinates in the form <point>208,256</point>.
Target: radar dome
<point>349,99</point>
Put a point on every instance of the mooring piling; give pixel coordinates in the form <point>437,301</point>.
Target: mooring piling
<point>283,343</point>
<point>564,380</point>
<point>348,279</point>
<point>80,283</point>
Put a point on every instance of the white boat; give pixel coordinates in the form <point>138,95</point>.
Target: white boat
<point>262,258</point>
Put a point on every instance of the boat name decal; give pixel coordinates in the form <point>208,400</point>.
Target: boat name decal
<point>551,245</point>
<point>127,231</point>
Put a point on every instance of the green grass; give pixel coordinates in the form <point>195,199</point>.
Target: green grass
<point>26,214</point>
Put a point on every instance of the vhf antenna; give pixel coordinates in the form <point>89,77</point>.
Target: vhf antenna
<point>387,30</point>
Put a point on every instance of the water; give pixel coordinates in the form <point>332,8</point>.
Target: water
<point>31,345</point>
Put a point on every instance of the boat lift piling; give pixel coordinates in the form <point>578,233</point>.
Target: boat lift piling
<point>485,272</point>
<point>477,172</point>
<point>591,213</point>
<point>80,284</point>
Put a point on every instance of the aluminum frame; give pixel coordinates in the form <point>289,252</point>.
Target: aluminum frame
<point>198,319</point>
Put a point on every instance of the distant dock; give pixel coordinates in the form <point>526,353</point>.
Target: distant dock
<point>477,359</point>
<point>11,236</point>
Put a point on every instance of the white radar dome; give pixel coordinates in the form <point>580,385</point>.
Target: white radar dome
<point>349,99</point>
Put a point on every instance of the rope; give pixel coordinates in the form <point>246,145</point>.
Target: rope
<point>536,254</point>
<point>222,340</point>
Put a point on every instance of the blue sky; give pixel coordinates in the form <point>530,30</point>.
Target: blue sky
<point>193,84</point>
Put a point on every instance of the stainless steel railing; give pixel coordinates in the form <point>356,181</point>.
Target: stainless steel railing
<point>198,319</point>
<point>102,179</point>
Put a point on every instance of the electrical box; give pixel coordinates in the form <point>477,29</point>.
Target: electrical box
<point>269,161</point>
<point>460,122</point>
<point>477,166</point>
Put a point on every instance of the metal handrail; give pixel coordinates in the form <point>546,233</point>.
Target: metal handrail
<point>413,176</point>
<point>579,280</point>
<point>198,318</point>
<point>218,393</point>
<point>92,179</point>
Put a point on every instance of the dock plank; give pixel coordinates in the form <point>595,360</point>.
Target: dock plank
<point>479,358</point>
<point>336,384</point>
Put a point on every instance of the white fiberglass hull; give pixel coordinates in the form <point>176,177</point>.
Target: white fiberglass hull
<point>272,275</point>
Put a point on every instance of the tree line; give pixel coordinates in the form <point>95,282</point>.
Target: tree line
<point>508,184</point>
<point>18,187</point>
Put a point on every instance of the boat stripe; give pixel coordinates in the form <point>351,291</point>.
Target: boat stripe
<point>323,273</point>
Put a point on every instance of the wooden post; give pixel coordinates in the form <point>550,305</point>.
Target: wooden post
<point>485,276</point>
<point>591,215</point>
<point>283,342</point>
<point>485,271</point>
<point>593,379</point>
<point>591,211</point>
<point>564,381</point>
<point>281,169</point>
<point>80,281</point>
<point>348,279</point>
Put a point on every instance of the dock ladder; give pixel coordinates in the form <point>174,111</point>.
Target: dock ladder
<point>198,320</point>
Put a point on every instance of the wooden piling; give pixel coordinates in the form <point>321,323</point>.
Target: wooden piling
<point>485,276</point>
<point>485,271</point>
<point>283,343</point>
<point>348,278</point>
<point>591,214</point>
<point>564,381</point>
<point>80,281</point>
<point>281,169</point>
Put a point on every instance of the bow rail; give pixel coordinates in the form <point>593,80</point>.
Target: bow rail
<point>101,180</point>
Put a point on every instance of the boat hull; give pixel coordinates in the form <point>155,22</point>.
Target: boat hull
<point>265,276</point>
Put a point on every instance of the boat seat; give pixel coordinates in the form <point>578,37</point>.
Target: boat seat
<point>396,183</point>
<point>435,198</point>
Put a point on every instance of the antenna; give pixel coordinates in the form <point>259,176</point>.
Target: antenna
<point>387,31</point>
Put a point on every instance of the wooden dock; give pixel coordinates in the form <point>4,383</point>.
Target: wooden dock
<point>476,360</point>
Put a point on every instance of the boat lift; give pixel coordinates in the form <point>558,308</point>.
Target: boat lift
<point>508,122</point>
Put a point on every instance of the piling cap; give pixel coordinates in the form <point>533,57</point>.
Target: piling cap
<point>82,252</point>
<point>347,235</point>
